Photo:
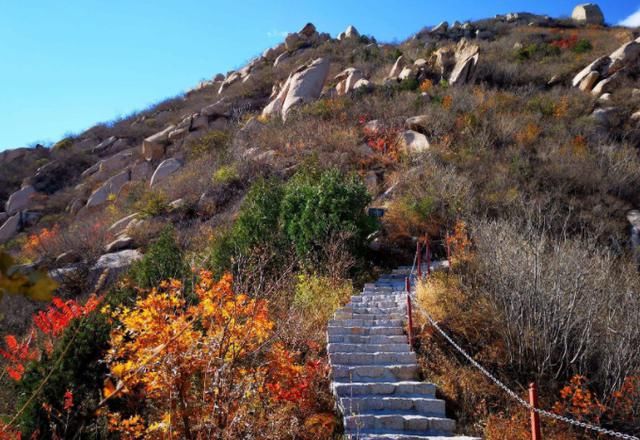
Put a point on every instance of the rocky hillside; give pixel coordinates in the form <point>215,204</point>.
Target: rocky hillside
<point>523,128</point>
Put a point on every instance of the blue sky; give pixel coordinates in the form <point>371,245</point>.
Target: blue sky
<point>66,65</point>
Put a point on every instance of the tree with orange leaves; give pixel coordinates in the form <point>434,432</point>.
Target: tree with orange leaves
<point>197,371</point>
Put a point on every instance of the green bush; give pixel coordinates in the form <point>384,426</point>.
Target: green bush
<point>537,51</point>
<point>302,214</point>
<point>256,225</point>
<point>163,260</point>
<point>214,140</point>
<point>225,174</point>
<point>152,204</point>
<point>582,46</point>
<point>317,205</point>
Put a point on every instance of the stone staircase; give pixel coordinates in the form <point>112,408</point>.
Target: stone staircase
<point>375,376</point>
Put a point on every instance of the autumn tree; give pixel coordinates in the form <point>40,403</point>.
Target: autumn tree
<point>207,370</point>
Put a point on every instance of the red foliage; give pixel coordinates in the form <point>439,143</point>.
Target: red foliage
<point>566,43</point>
<point>51,323</point>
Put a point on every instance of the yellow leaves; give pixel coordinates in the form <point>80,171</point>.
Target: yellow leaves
<point>33,284</point>
<point>319,426</point>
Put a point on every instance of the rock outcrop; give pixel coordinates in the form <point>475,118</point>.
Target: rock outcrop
<point>10,228</point>
<point>588,13</point>
<point>602,74</point>
<point>350,32</point>
<point>154,147</point>
<point>466,57</point>
<point>20,200</point>
<point>347,80</point>
<point>109,188</point>
<point>165,169</point>
<point>303,85</point>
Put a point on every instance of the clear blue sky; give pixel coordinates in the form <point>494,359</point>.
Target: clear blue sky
<point>68,64</point>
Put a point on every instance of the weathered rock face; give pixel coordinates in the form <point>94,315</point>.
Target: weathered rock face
<point>154,147</point>
<point>304,85</point>
<point>588,13</point>
<point>412,142</point>
<point>350,32</point>
<point>120,243</point>
<point>141,171</point>
<point>418,123</point>
<point>10,228</point>
<point>20,200</point>
<point>111,186</point>
<point>397,67</point>
<point>118,260</point>
<point>122,224</point>
<point>602,74</point>
<point>347,80</point>
<point>466,56</point>
<point>166,168</point>
<point>106,167</point>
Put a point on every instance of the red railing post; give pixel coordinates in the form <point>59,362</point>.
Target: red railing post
<point>410,316</point>
<point>407,285</point>
<point>428,250</point>
<point>535,417</point>
<point>419,259</point>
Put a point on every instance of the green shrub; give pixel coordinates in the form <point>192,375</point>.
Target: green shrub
<point>152,204</point>
<point>317,205</point>
<point>164,259</point>
<point>537,51</point>
<point>582,46</point>
<point>63,144</point>
<point>214,140</point>
<point>256,225</point>
<point>408,84</point>
<point>225,174</point>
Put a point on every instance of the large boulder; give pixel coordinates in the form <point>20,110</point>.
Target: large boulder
<point>10,228</point>
<point>303,85</point>
<point>397,67</point>
<point>588,13</point>
<point>117,260</point>
<point>603,74</point>
<point>165,169</point>
<point>122,224</point>
<point>109,188</point>
<point>120,243</point>
<point>350,32</point>
<point>154,147</point>
<point>412,142</point>
<point>347,80</point>
<point>20,200</point>
<point>117,162</point>
<point>466,56</point>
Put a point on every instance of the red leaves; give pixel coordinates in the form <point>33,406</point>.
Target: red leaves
<point>57,318</point>
<point>68,400</point>
<point>51,322</point>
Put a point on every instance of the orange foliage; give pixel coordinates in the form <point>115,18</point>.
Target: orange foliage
<point>579,402</point>
<point>561,108</point>
<point>458,244</point>
<point>38,244</point>
<point>203,368</point>
<point>447,102</point>
<point>383,140</point>
<point>426,85</point>
<point>529,134</point>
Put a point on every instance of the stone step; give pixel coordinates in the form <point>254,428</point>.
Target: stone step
<point>366,323</point>
<point>424,406</point>
<point>397,358</point>
<point>400,423</point>
<point>365,331</point>
<point>397,297</point>
<point>396,389</point>
<point>402,347</point>
<point>346,314</point>
<point>389,306</point>
<point>361,436</point>
<point>364,310</point>
<point>356,339</point>
<point>374,373</point>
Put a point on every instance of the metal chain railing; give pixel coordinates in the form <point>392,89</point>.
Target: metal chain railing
<point>512,393</point>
